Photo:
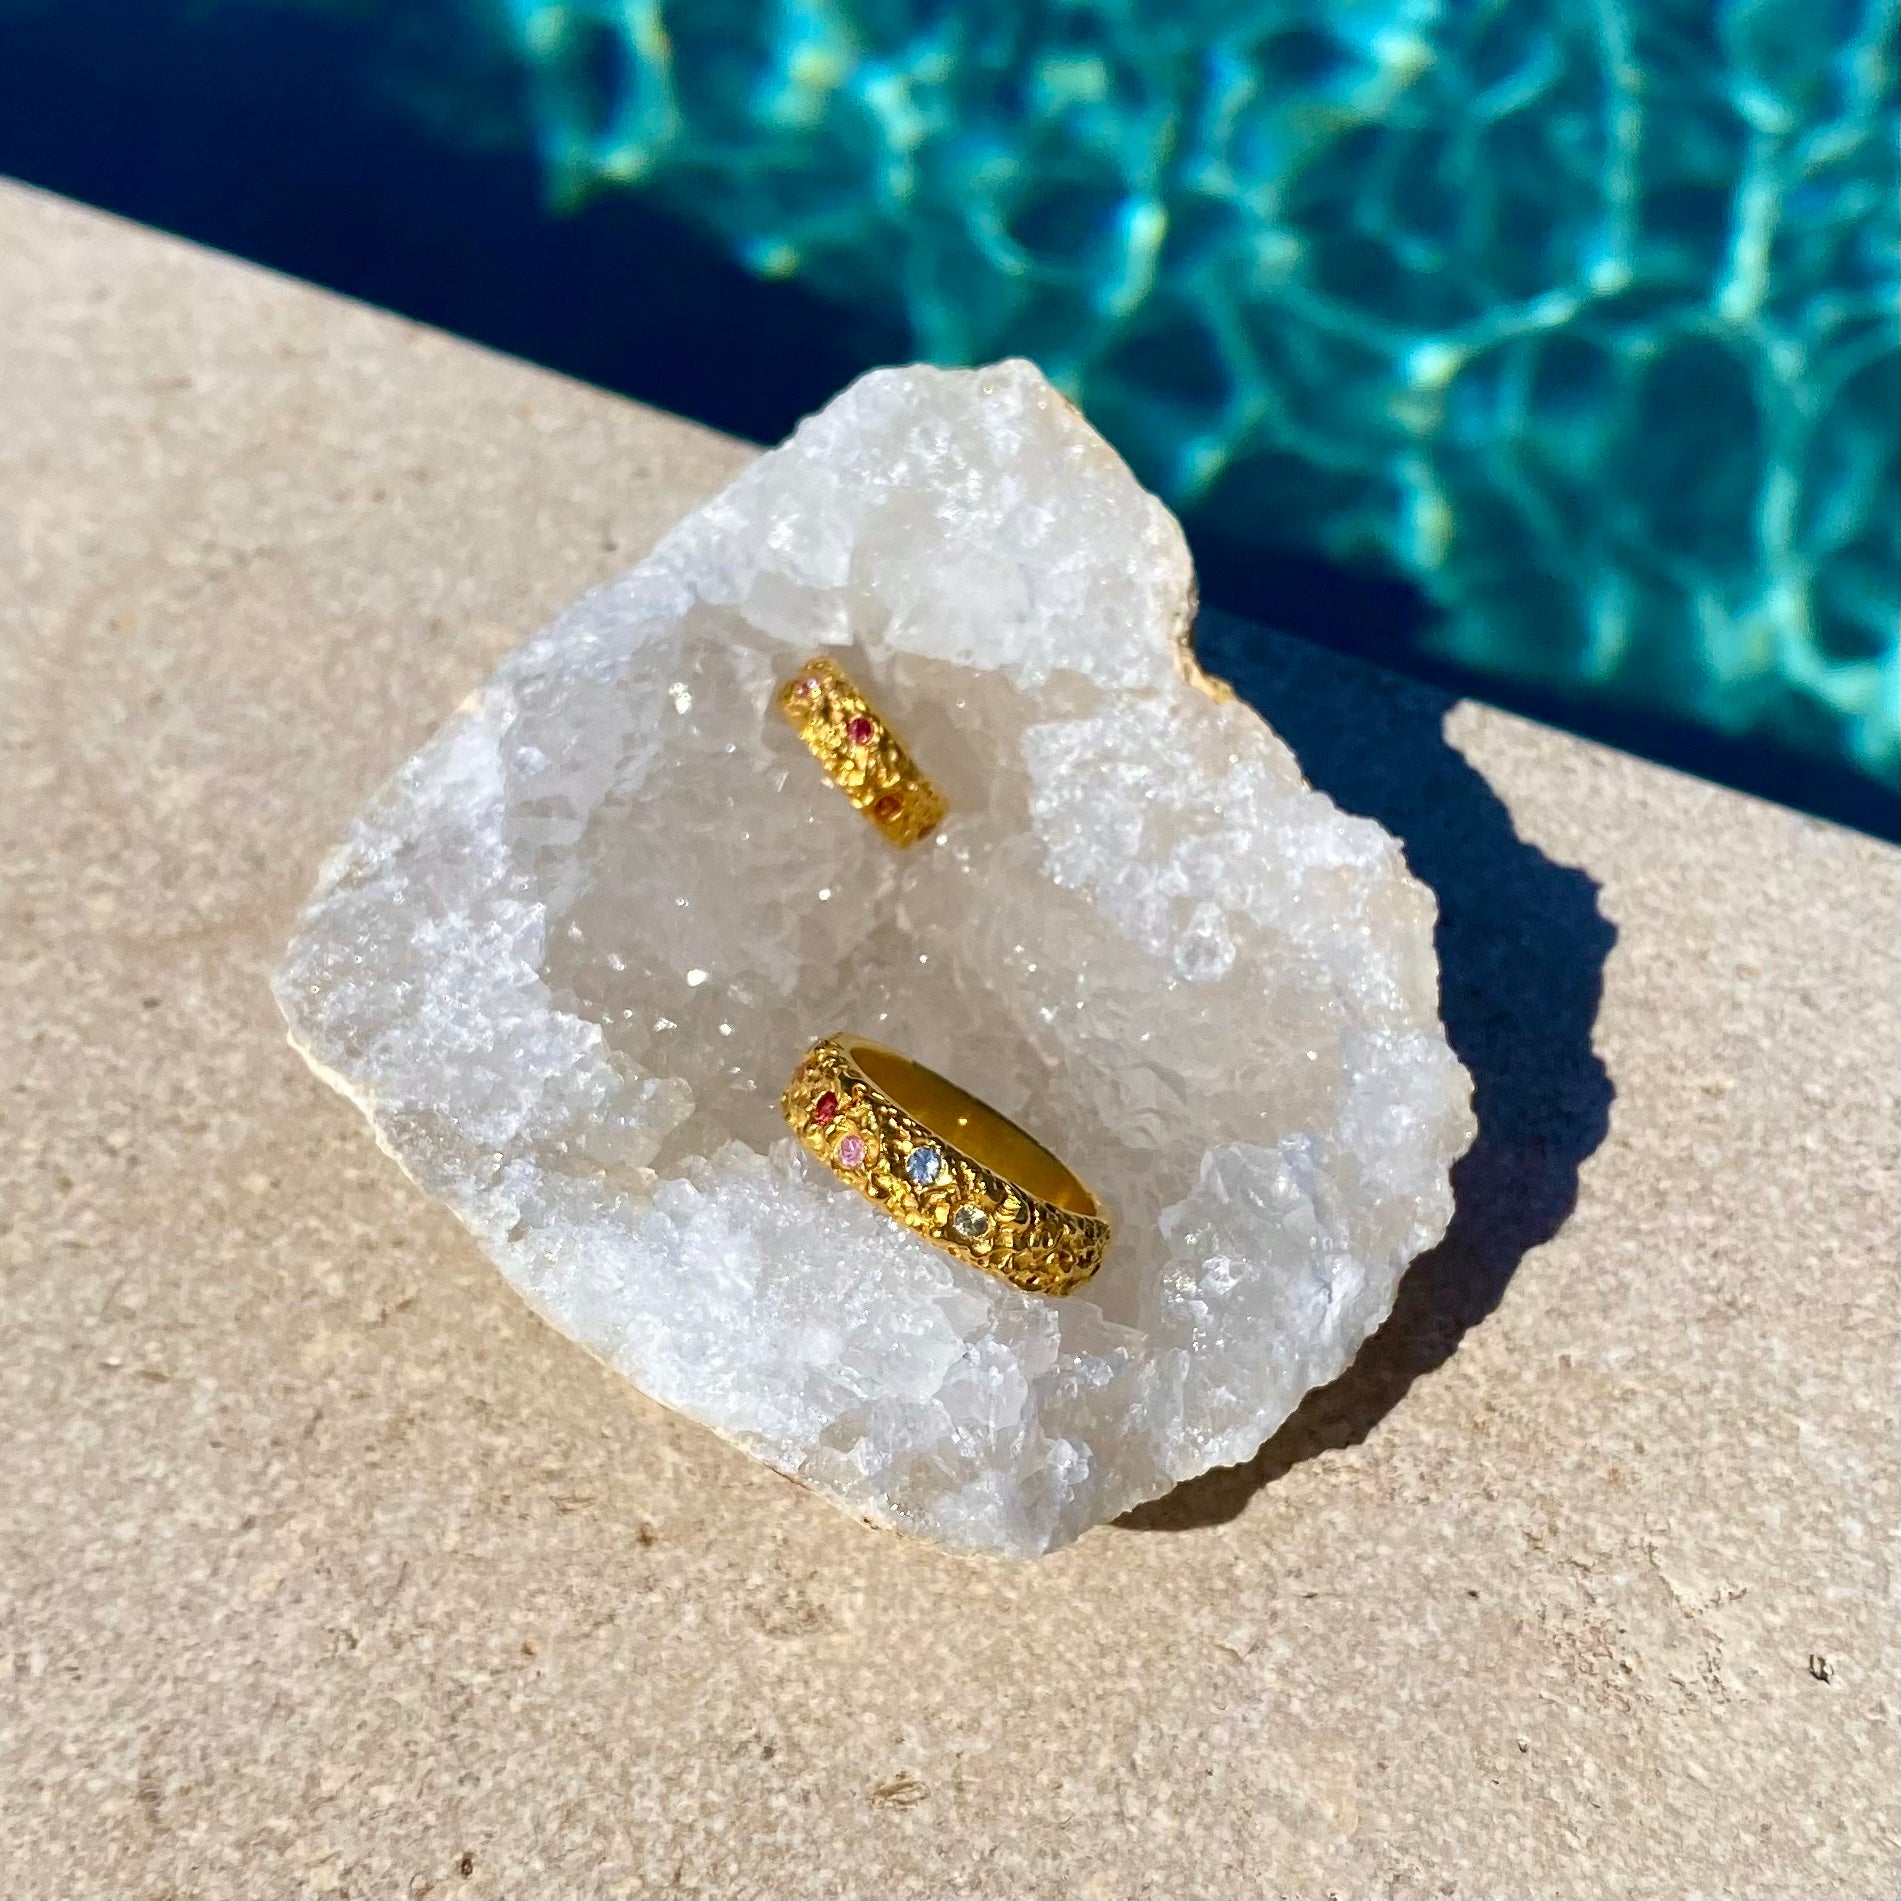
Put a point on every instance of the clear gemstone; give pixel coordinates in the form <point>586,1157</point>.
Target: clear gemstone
<point>970,1221</point>
<point>851,1151</point>
<point>922,1167</point>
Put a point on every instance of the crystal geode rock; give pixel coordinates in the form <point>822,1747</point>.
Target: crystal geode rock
<point>568,958</point>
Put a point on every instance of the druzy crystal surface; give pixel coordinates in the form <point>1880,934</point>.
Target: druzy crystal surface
<point>568,957</point>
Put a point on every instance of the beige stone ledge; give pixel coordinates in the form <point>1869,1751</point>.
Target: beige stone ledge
<point>325,1569</point>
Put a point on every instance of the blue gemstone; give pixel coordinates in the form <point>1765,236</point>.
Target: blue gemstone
<point>923,1166</point>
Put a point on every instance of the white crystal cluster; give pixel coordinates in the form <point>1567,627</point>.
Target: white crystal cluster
<point>569,956</point>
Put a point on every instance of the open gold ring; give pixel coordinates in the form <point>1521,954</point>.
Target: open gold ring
<point>858,751</point>
<point>945,1165</point>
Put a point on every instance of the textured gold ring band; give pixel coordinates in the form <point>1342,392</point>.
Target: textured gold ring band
<point>859,752</point>
<point>945,1165</point>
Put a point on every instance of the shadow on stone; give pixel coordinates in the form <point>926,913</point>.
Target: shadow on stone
<point>1522,946</point>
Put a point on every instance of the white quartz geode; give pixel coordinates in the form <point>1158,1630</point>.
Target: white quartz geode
<point>568,957</point>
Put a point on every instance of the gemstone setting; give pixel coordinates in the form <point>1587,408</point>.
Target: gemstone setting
<point>970,1222</point>
<point>922,1167</point>
<point>825,1110</point>
<point>851,1152</point>
<point>860,730</point>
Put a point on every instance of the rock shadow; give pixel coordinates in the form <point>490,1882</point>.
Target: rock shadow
<point>1521,944</point>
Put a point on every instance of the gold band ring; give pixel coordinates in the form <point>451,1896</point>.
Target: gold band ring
<point>859,752</point>
<point>945,1165</point>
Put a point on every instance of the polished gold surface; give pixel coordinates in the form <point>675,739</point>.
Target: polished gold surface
<point>946,1165</point>
<point>858,751</point>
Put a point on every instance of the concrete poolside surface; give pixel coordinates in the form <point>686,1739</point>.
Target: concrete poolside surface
<point>325,1569</point>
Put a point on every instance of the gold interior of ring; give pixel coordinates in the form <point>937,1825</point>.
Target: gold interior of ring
<point>972,1126</point>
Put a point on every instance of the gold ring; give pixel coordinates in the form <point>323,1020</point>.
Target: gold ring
<point>946,1165</point>
<point>859,752</point>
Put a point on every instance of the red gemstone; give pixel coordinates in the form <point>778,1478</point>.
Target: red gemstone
<point>825,1110</point>
<point>860,730</point>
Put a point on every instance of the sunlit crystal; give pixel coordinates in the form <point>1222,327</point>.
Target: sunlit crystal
<point>1139,935</point>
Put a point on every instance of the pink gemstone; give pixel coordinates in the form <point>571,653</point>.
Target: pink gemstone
<point>807,689</point>
<point>860,730</point>
<point>851,1151</point>
<point>825,1110</point>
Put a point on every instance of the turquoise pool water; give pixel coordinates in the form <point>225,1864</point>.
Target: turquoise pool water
<point>1578,315</point>
<point>1582,314</point>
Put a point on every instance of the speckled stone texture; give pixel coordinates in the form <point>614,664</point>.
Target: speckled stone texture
<point>326,1569</point>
